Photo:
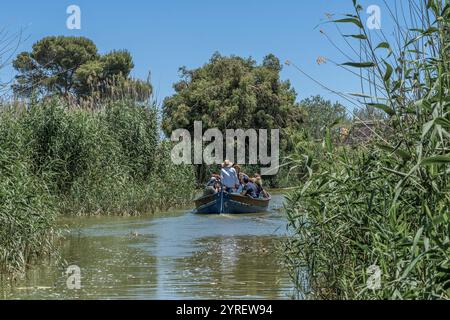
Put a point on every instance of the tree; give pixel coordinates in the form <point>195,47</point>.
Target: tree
<point>231,93</point>
<point>320,114</point>
<point>72,66</point>
<point>369,114</point>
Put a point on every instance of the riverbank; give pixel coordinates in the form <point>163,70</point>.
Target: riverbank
<point>60,160</point>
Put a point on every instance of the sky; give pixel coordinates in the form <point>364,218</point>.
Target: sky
<point>164,35</point>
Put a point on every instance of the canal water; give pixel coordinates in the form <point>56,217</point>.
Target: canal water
<point>176,255</point>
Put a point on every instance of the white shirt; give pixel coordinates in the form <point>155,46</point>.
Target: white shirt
<point>229,177</point>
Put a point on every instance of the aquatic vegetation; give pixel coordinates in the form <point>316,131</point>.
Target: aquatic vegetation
<point>378,212</point>
<point>27,209</point>
<point>62,159</point>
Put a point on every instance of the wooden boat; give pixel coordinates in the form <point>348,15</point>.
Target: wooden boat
<point>228,203</point>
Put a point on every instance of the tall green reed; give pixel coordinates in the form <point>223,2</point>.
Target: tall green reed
<point>385,203</point>
<point>106,160</point>
<point>27,210</point>
<point>59,158</point>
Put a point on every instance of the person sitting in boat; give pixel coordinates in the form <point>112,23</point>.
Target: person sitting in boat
<point>249,188</point>
<point>259,186</point>
<point>241,182</point>
<point>237,168</point>
<point>229,177</point>
<point>213,185</point>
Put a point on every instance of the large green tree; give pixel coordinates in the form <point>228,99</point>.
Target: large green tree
<point>72,66</point>
<point>232,92</point>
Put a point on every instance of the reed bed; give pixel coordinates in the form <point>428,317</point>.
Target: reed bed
<point>372,221</point>
<point>59,158</point>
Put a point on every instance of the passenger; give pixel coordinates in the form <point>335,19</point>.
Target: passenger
<point>238,169</point>
<point>229,177</point>
<point>241,182</point>
<point>259,186</point>
<point>213,185</point>
<point>214,179</point>
<point>241,177</point>
<point>249,188</point>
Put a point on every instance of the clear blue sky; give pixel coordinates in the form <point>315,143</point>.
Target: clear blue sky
<point>164,35</point>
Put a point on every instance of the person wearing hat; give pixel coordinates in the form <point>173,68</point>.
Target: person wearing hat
<point>229,177</point>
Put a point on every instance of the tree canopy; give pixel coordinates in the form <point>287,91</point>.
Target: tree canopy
<point>232,93</point>
<point>320,114</point>
<point>72,65</point>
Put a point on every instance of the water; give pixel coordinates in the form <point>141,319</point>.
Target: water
<point>172,256</point>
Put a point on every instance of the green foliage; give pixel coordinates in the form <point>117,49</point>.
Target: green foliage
<point>232,92</point>
<point>65,159</point>
<point>385,203</point>
<point>320,114</point>
<point>60,141</point>
<point>27,209</point>
<point>72,66</point>
<point>102,161</point>
<point>117,63</point>
<point>51,64</point>
<point>137,135</point>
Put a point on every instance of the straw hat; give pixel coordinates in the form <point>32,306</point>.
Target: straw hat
<point>227,164</point>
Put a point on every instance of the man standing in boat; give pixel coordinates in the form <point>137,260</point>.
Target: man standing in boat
<point>229,177</point>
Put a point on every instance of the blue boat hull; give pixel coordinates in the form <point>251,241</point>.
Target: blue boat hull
<point>225,203</point>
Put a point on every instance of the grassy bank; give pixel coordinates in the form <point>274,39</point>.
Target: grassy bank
<point>59,159</point>
<point>372,221</point>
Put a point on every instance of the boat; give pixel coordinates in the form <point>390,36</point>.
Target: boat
<point>230,203</point>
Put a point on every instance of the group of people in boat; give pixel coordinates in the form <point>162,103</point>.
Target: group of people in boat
<point>234,181</point>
